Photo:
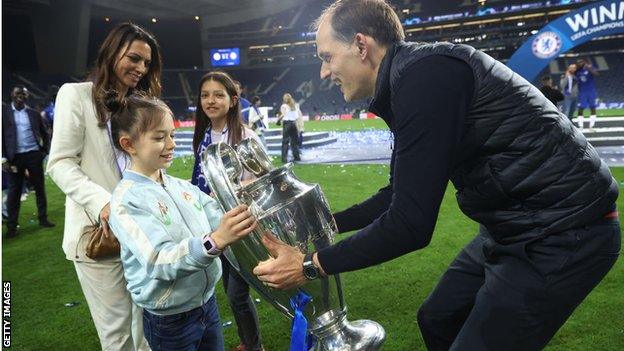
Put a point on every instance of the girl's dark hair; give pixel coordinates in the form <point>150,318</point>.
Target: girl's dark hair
<point>103,72</point>
<point>135,115</point>
<point>233,117</point>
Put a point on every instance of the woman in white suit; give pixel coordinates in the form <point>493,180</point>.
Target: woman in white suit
<point>84,164</point>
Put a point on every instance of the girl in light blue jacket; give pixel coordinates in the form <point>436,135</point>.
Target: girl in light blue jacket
<point>170,232</point>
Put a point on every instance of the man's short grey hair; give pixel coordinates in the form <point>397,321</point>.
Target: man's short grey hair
<point>374,18</point>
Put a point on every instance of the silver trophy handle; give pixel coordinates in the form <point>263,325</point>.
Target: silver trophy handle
<point>225,184</point>
<point>254,157</point>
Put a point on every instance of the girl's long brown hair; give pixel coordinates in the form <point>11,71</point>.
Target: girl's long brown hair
<point>233,117</point>
<point>103,72</point>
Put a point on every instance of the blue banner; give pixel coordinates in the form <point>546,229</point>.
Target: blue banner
<point>598,19</point>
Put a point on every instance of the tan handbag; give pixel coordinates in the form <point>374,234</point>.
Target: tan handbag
<point>100,246</point>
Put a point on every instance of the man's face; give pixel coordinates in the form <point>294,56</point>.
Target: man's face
<point>343,64</point>
<point>19,97</point>
<point>572,68</point>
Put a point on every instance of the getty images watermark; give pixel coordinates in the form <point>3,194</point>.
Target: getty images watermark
<point>6,314</point>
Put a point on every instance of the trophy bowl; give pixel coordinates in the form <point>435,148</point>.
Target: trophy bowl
<point>298,214</point>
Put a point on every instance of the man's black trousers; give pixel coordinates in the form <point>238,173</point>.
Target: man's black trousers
<point>515,297</point>
<point>33,162</point>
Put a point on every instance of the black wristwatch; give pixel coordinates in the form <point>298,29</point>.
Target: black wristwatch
<point>310,271</point>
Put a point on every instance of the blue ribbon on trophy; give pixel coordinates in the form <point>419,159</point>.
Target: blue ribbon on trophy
<point>299,339</point>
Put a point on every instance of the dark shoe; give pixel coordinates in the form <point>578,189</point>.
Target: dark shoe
<point>11,233</point>
<point>46,224</point>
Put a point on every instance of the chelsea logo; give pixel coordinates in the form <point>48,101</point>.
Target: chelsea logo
<point>546,45</point>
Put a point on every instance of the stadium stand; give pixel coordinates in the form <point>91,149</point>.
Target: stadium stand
<point>279,54</point>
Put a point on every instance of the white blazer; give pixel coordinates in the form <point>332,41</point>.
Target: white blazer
<point>82,163</point>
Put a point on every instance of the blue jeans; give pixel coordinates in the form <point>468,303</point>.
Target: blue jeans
<point>197,329</point>
<point>569,106</point>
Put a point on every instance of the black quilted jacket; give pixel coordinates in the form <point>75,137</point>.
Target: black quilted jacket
<point>523,170</point>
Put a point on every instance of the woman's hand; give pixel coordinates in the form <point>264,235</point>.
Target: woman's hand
<point>104,214</point>
<point>235,225</point>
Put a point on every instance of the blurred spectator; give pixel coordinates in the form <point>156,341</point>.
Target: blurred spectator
<point>549,91</point>
<point>256,119</point>
<point>570,91</point>
<point>245,105</point>
<point>48,110</point>
<point>586,91</point>
<point>290,135</point>
<point>300,126</point>
<point>25,143</point>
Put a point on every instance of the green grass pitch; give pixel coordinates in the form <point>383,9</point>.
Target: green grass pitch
<point>43,281</point>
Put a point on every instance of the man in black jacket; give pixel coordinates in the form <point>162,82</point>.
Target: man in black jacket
<point>549,91</point>
<point>544,200</point>
<point>25,143</point>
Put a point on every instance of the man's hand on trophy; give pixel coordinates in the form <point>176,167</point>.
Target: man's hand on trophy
<point>284,269</point>
<point>235,224</point>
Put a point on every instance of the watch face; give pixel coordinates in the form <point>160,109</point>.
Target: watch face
<point>310,272</point>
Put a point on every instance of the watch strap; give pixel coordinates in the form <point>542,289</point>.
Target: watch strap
<point>211,246</point>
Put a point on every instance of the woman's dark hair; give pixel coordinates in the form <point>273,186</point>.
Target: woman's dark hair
<point>374,18</point>
<point>233,117</point>
<point>135,115</point>
<point>103,72</point>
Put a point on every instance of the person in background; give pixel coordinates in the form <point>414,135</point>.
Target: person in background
<point>48,111</point>
<point>245,105</point>
<point>218,118</point>
<point>171,234</point>
<point>256,119</point>
<point>570,91</point>
<point>290,135</point>
<point>86,167</point>
<point>300,127</point>
<point>586,91</point>
<point>549,91</point>
<point>25,144</point>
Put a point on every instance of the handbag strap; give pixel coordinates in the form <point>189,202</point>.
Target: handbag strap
<point>90,220</point>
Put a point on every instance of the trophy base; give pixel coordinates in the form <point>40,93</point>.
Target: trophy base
<point>360,335</point>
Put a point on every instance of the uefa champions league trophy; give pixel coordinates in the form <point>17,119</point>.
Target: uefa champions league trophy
<point>298,214</point>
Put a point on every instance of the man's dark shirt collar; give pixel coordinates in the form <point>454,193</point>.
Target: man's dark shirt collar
<point>380,105</point>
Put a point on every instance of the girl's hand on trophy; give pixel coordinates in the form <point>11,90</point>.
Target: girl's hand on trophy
<point>284,269</point>
<point>235,224</point>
